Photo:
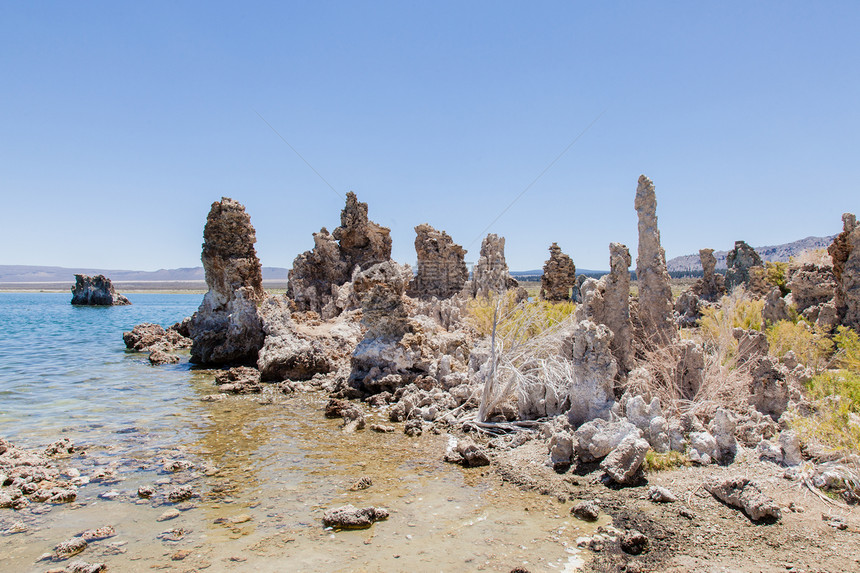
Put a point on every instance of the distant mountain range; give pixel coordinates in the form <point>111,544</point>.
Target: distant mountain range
<point>36,274</point>
<point>686,263</point>
<point>774,253</point>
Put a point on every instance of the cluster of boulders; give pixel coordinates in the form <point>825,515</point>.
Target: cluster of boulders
<point>161,343</point>
<point>96,291</point>
<point>28,476</point>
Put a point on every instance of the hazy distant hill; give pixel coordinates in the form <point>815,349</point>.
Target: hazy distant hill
<point>36,274</point>
<point>776,253</point>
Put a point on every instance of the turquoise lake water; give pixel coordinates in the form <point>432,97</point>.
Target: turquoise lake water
<point>64,369</point>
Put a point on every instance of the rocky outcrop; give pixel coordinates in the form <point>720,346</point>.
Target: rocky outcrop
<point>711,286</point>
<point>746,495</point>
<point>594,368</point>
<point>596,439</point>
<point>442,268</point>
<point>559,276</point>
<point>96,291</point>
<point>624,463</point>
<point>607,302</point>
<point>810,285</point>
<point>775,308</point>
<point>381,352</point>
<point>490,275</point>
<point>362,242</point>
<point>318,276</point>
<point>769,389</point>
<point>226,327</point>
<point>655,295</point>
<point>740,260</point>
<point>845,253</point>
<point>687,309</point>
<point>299,346</point>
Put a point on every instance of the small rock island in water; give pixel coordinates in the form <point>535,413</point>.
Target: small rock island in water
<point>96,291</point>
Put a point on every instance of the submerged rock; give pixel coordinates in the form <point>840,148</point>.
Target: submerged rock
<point>96,291</point>
<point>350,517</point>
<point>239,380</point>
<point>226,327</point>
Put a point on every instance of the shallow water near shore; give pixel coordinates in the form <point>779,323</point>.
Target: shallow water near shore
<point>265,468</point>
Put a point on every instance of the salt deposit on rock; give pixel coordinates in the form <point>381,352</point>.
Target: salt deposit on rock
<point>595,439</point>
<point>491,274</point>
<point>96,291</point>
<point>226,327</point>
<point>559,276</point>
<point>442,268</point>
<point>655,295</point>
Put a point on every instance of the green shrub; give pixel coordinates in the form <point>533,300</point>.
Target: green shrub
<point>655,462</point>
<point>810,343</point>
<point>516,321</point>
<point>736,311</point>
<point>848,343</point>
<point>776,274</point>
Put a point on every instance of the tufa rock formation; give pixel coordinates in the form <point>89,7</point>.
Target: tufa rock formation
<point>559,275</point>
<point>740,262</point>
<point>607,302</point>
<point>592,386</point>
<point>381,352</point>
<point>655,295</point>
<point>96,291</point>
<point>227,327</point>
<point>318,276</point>
<point>491,272</point>
<point>442,268</point>
<point>711,286</point>
<point>845,253</point>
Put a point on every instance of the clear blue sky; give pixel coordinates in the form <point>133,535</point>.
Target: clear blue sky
<point>121,122</point>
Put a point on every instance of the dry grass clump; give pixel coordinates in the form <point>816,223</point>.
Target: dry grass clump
<point>810,343</point>
<point>818,257</point>
<point>671,377</point>
<point>724,380</point>
<point>526,342</point>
